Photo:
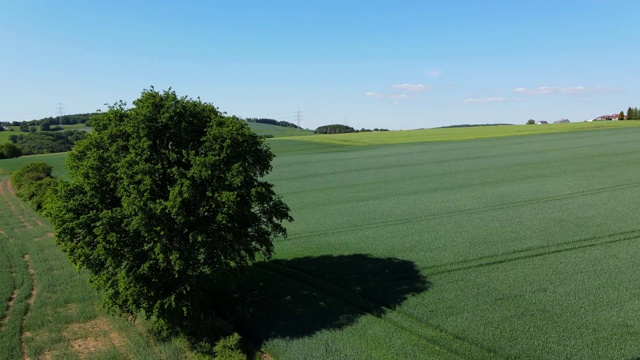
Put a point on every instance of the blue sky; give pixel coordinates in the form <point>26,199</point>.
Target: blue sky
<point>391,64</point>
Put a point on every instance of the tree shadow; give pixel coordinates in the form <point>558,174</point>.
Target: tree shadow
<point>299,297</point>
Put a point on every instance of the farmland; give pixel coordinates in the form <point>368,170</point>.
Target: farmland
<point>498,246</point>
<point>514,247</point>
<point>49,310</point>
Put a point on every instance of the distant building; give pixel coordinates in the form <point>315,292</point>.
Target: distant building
<point>542,122</point>
<point>562,121</point>
<point>606,117</point>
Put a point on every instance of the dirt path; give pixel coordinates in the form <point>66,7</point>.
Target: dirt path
<point>30,300</point>
<point>6,191</point>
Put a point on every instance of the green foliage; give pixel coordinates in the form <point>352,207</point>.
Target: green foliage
<point>63,299</point>
<point>335,129</point>
<point>35,183</point>
<point>29,171</point>
<point>9,151</point>
<point>48,142</point>
<point>531,122</point>
<point>164,198</point>
<point>273,122</point>
<point>229,348</point>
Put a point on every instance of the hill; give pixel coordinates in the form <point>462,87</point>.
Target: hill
<point>269,130</point>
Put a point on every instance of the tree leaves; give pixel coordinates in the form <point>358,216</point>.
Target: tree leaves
<point>163,198</point>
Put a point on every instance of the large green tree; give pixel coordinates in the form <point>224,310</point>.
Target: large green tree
<point>164,197</point>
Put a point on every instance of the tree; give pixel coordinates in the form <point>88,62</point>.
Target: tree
<point>621,115</point>
<point>334,129</point>
<point>163,198</point>
<point>11,150</point>
<point>531,122</point>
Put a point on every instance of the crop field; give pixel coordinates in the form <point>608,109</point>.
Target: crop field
<point>48,310</point>
<point>492,248</point>
<point>57,160</point>
<point>277,131</point>
<point>460,133</point>
<point>511,247</point>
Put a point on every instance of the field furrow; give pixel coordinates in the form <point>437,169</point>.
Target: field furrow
<point>460,213</point>
<point>29,303</point>
<point>532,252</point>
<point>529,243</point>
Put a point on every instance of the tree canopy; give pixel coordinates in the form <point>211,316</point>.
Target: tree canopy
<point>164,197</point>
<point>334,129</point>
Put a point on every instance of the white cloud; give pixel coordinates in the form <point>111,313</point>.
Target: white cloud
<point>487,100</point>
<point>573,90</point>
<point>412,87</point>
<point>386,96</point>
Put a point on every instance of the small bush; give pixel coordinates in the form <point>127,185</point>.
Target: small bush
<point>34,183</point>
<point>229,348</point>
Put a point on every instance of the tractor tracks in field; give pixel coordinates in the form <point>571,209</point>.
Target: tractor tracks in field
<point>30,300</point>
<point>462,212</point>
<point>6,191</point>
<point>531,252</point>
<point>4,319</point>
<point>434,337</point>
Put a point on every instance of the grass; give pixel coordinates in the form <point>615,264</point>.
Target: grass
<point>277,131</point>
<point>457,134</point>
<point>496,247</point>
<point>49,310</point>
<point>57,160</point>
<point>528,244</point>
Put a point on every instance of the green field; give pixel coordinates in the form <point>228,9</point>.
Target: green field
<point>49,310</point>
<point>497,247</point>
<point>56,160</point>
<point>277,131</point>
<point>461,133</point>
<point>513,247</point>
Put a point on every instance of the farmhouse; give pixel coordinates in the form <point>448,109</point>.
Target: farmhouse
<point>606,117</point>
<point>562,121</point>
<point>542,122</point>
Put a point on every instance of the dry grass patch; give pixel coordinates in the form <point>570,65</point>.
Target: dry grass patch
<point>92,337</point>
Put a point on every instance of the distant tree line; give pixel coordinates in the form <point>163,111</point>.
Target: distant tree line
<point>58,120</point>
<point>44,142</point>
<point>273,122</point>
<point>342,129</point>
<point>632,114</point>
<point>334,129</point>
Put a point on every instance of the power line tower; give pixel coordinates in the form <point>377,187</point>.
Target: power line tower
<point>298,119</point>
<point>60,113</point>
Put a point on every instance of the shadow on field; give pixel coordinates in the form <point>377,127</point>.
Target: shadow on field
<point>299,297</point>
